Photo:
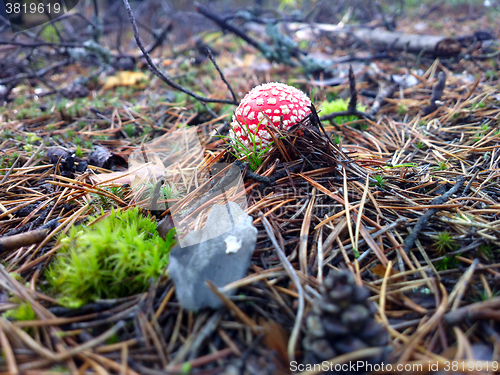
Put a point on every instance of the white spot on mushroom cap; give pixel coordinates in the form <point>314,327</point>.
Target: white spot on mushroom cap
<point>271,101</point>
<point>259,101</point>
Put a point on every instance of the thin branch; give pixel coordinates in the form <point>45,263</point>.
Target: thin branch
<point>212,59</point>
<point>158,72</point>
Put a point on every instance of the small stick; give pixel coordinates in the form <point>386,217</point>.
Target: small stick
<point>160,74</point>
<point>212,59</point>
<point>352,108</point>
<point>410,240</point>
<point>28,238</point>
<point>437,93</point>
<point>379,100</point>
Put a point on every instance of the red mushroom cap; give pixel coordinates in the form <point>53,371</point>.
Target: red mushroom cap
<point>275,100</point>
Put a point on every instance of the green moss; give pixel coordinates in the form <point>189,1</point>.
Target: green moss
<point>113,258</point>
<point>379,180</point>
<point>442,166</point>
<point>339,105</point>
<point>49,34</point>
<point>445,242</point>
<point>23,312</point>
<point>129,129</point>
<point>78,152</point>
<point>420,145</point>
<point>447,263</point>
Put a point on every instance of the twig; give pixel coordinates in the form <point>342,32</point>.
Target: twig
<point>251,175</point>
<point>23,239</point>
<point>161,37</point>
<point>37,74</point>
<point>159,73</point>
<point>437,93</point>
<point>352,108</point>
<point>212,59</point>
<point>379,100</point>
<point>471,311</point>
<point>410,240</point>
<point>293,275</point>
<point>225,25</point>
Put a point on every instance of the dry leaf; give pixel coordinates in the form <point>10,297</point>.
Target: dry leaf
<point>126,78</point>
<point>379,270</point>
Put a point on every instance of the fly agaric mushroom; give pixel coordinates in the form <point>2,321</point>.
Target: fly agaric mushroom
<point>274,100</point>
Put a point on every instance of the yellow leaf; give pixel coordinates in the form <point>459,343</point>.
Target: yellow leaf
<point>126,78</point>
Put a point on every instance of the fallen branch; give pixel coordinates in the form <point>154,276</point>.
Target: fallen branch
<point>160,74</point>
<point>28,238</point>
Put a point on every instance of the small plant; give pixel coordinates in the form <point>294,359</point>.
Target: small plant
<point>78,152</point>
<point>253,154</point>
<point>483,296</point>
<point>28,147</point>
<point>420,145</point>
<point>23,312</point>
<point>49,34</point>
<point>113,258</point>
<point>444,242</point>
<point>442,166</point>
<point>402,109</point>
<point>379,180</point>
<point>447,263</point>
<point>478,105</point>
<point>129,129</point>
<point>486,250</point>
<point>101,201</point>
<point>167,191</point>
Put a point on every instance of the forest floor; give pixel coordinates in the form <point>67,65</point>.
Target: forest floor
<point>405,199</point>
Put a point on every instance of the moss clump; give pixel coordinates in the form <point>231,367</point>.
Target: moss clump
<point>113,258</point>
<point>23,312</point>
<point>339,105</point>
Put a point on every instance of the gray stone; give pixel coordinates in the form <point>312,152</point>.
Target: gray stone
<point>220,252</point>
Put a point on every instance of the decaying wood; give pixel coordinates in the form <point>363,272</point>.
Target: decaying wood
<point>438,45</point>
